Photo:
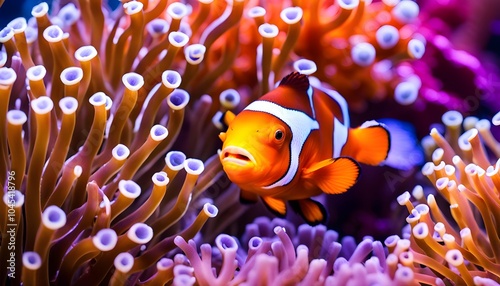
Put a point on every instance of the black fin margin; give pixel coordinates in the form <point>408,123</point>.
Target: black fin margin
<point>221,120</point>
<point>383,126</point>
<point>297,81</point>
<point>218,121</point>
<point>277,214</point>
<point>296,207</point>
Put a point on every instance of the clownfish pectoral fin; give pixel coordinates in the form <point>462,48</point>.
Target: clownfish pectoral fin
<point>247,197</point>
<point>311,211</point>
<point>276,206</point>
<point>333,176</point>
<point>228,117</point>
<point>222,120</point>
<point>368,144</point>
<point>222,136</point>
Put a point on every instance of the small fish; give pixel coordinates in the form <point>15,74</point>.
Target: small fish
<point>295,143</point>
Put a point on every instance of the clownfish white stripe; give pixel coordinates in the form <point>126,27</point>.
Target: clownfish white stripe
<point>314,152</point>
<point>341,130</point>
<point>310,95</point>
<point>336,97</point>
<point>339,137</point>
<point>300,125</point>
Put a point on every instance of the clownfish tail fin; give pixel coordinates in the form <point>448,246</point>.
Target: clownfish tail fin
<point>368,144</point>
<point>311,211</point>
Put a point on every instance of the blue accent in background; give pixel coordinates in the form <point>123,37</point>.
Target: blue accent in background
<point>17,8</point>
<point>12,9</point>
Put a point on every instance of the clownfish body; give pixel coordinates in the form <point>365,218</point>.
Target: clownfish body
<point>295,143</point>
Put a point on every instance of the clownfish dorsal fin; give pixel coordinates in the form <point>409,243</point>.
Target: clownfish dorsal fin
<point>297,81</point>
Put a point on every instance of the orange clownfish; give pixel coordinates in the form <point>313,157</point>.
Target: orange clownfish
<point>295,143</point>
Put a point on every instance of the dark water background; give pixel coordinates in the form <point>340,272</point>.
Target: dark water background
<point>17,8</point>
<point>22,8</point>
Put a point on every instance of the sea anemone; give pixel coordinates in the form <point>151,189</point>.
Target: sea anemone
<point>85,186</point>
<point>449,240</point>
<point>275,253</point>
<point>458,239</point>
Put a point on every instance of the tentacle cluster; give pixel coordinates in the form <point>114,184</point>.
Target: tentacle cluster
<point>457,238</point>
<point>278,254</point>
<point>95,182</point>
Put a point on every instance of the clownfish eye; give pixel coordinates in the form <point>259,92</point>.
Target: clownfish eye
<point>278,135</point>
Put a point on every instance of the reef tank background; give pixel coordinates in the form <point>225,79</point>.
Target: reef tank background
<point>108,144</point>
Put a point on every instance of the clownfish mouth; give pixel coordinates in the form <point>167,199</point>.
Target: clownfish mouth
<point>237,155</point>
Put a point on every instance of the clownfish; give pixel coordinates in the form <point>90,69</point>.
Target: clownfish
<point>295,143</point>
